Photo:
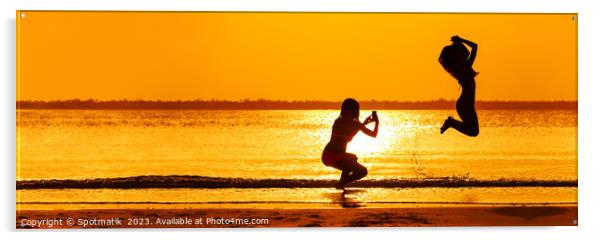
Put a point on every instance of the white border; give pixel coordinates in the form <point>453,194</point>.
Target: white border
<point>590,120</point>
<point>308,5</point>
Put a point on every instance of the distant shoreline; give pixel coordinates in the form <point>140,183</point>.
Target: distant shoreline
<point>284,105</point>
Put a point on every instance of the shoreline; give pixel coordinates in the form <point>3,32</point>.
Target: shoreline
<point>188,181</point>
<point>502,215</point>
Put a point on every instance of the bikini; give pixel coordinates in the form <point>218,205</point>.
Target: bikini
<point>331,159</point>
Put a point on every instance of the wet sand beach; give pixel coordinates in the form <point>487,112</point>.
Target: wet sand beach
<point>504,215</point>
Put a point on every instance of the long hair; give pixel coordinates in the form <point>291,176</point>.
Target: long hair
<point>350,108</point>
<point>453,59</point>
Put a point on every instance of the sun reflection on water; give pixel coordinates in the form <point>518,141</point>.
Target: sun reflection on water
<point>388,136</point>
<point>289,144</point>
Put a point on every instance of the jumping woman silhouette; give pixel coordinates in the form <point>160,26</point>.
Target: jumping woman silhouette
<point>457,61</point>
<point>344,129</point>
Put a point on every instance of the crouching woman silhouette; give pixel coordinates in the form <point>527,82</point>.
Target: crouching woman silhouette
<point>344,129</point>
<point>457,61</point>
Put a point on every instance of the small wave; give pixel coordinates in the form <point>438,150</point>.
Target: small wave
<point>305,202</point>
<point>178,181</point>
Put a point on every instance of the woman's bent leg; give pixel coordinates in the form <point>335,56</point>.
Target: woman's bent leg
<point>357,171</point>
<point>467,128</point>
<point>469,124</point>
<point>344,174</point>
<point>470,121</point>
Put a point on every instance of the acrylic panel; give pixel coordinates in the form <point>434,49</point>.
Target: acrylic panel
<point>295,119</point>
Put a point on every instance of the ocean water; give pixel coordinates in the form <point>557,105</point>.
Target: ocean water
<point>79,144</point>
<point>518,145</point>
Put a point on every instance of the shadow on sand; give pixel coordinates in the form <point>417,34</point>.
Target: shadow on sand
<point>529,213</point>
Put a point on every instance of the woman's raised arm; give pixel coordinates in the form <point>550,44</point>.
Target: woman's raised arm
<point>365,130</point>
<point>473,51</point>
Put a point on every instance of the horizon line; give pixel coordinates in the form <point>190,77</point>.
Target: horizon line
<point>276,100</point>
<point>259,104</point>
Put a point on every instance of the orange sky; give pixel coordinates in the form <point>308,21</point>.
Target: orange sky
<point>290,56</point>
